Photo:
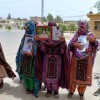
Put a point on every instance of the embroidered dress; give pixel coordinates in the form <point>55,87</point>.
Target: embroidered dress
<point>82,62</point>
<point>52,63</point>
<point>27,69</point>
<point>25,63</point>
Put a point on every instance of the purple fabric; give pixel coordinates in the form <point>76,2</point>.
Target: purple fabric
<point>46,68</point>
<point>52,49</point>
<point>83,28</point>
<point>48,54</point>
<point>91,49</point>
<point>52,24</point>
<point>52,86</point>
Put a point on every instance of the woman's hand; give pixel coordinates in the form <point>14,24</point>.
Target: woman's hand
<point>36,37</point>
<point>62,38</point>
<point>28,53</point>
<point>91,38</point>
<point>78,45</point>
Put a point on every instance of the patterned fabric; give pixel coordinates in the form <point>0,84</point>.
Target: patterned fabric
<point>52,68</point>
<point>52,63</point>
<point>92,47</point>
<point>81,69</point>
<point>30,30</point>
<point>27,66</point>
<point>82,63</point>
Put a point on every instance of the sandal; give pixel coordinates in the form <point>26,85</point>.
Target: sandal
<point>69,95</point>
<point>56,96</point>
<point>27,91</point>
<point>48,94</point>
<point>82,98</point>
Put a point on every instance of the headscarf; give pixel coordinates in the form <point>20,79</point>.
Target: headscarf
<point>75,38</point>
<point>30,28</point>
<point>83,28</point>
<point>52,24</point>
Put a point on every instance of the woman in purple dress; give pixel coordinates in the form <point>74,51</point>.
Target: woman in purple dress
<point>83,47</point>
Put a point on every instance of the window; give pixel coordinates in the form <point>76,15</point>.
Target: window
<point>97,25</point>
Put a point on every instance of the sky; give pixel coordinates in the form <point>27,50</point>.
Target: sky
<point>67,9</point>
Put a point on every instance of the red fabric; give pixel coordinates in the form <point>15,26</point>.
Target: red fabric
<point>7,67</point>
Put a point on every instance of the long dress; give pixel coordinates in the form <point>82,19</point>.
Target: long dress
<point>82,63</point>
<point>5,68</point>
<point>52,63</point>
<point>27,70</point>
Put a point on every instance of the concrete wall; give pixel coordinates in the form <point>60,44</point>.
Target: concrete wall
<point>93,18</point>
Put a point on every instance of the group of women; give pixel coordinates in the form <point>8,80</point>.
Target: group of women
<point>56,63</point>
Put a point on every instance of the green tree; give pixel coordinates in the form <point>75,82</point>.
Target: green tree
<point>18,26</point>
<point>8,27</point>
<point>0,26</point>
<point>22,28</point>
<point>18,18</point>
<point>72,27</point>
<point>58,19</point>
<point>50,17</point>
<point>9,16</point>
<point>64,28</point>
<point>97,5</point>
<point>44,19</point>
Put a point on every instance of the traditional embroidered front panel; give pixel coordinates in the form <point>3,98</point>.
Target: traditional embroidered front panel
<point>26,67</point>
<point>81,69</point>
<point>52,62</point>
<point>52,67</point>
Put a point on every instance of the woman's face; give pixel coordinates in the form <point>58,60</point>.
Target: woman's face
<point>30,44</point>
<point>81,29</point>
<point>43,32</point>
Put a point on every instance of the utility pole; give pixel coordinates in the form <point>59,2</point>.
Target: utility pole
<point>42,10</point>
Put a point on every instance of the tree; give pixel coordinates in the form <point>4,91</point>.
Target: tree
<point>64,28</point>
<point>50,17</point>
<point>22,28</point>
<point>97,5</point>
<point>18,26</point>
<point>0,26</point>
<point>9,16</point>
<point>8,27</point>
<point>44,19</point>
<point>18,18</point>
<point>58,19</point>
<point>72,27</point>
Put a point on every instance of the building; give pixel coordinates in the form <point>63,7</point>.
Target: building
<point>95,24</point>
<point>5,22</point>
<point>36,19</point>
<point>13,22</point>
<point>19,22</point>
